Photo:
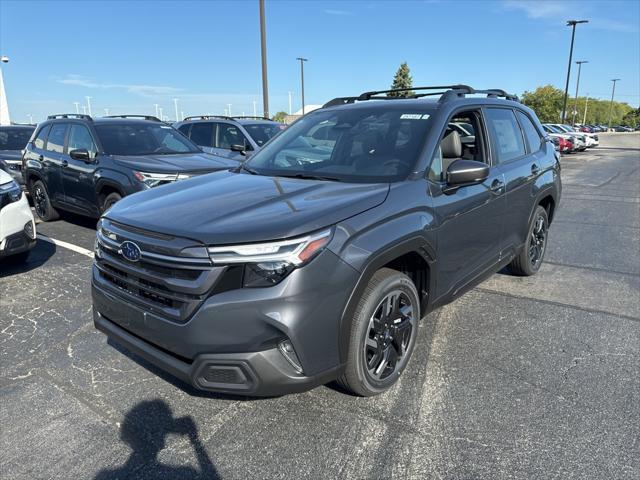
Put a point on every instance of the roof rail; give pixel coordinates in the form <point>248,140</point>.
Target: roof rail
<point>446,93</point>
<point>70,115</point>
<point>250,117</point>
<point>207,117</point>
<point>144,117</point>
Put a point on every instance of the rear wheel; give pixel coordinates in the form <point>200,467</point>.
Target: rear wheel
<point>530,259</point>
<point>383,334</point>
<point>42,203</point>
<point>110,200</point>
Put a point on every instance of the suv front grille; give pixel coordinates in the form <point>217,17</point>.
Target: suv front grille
<point>171,286</point>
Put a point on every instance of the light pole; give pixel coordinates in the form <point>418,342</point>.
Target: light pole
<point>160,112</point>
<point>30,118</point>
<point>77,104</point>
<point>229,109</point>
<point>570,23</point>
<point>290,102</point>
<point>89,104</point>
<point>84,109</point>
<point>181,115</point>
<point>302,60</point>
<point>575,108</point>
<point>157,112</point>
<point>255,114</point>
<point>106,112</point>
<point>263,51</point>
<point>586,104</point>
<point>175,104</point>
<point>5,118</point>
<point>613,92</point>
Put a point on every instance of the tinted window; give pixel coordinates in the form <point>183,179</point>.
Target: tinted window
<point>263,132</point>
<point>55,141</point>
<point>231,135</point>
<point>79,137</point>
<point>373,144</point>
<point>12,138</point>
<point>184,129</point>
<point>41,138</point>
<point>144,138</point>
<point>202,134</point>
<point>506,133</point>
<point>530,132</point>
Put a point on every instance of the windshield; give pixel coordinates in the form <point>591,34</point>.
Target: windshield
<point>14,138</point>
<point>375,144</point>
<point>555,129</point>
<point>144,138</point>
<point>263,132</point>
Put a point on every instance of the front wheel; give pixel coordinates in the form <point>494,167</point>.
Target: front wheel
<point>383,334</point>
<point>530,259</point>
<point>110,200</point>
<point>42,203</point>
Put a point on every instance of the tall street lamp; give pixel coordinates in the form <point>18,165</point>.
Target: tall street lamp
<point>575,108</point>
<point>570,23</point>
<point>5,118</point>
<point>302,60</point>
<point>175,104</point>
<point>263,51</point>
<point>613,92</point>
<point>77,104</point>
<point>89,104</point>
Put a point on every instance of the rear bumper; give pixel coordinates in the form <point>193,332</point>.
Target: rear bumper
<point>264,373</point>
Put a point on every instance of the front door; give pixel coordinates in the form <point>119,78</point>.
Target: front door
<point>78,175</point>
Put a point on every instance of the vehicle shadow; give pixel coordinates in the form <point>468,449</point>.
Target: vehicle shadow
<point>40,254</point>
<point>79,220</point>
<point>145,429</point>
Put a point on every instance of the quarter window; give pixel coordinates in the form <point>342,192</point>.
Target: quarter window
<point>41,138</point>
<point>80,138</point>
<point>506,134</point>
<point>530,132</point>
<point>202,134</point>
<point>55,141</point>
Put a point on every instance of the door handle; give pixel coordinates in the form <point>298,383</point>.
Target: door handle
<point>535,170</point>
<point>65,163</point>
<point>496,186</point>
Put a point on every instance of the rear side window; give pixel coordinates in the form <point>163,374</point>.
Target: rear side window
<point>55,141</point>
<point>80,138</point>
<point>202,134</point>
<point>506,133</point>
<point>41,138</point>
<point>530,132</point>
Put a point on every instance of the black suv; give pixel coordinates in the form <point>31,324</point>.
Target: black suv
<point>295,270</point>
<point>13,139</point>
<point>85,165</point>
<point>229,137</point>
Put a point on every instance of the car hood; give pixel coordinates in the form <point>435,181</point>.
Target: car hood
<point>225,207</point>
<point>184,162</point>
<point>10,155</point>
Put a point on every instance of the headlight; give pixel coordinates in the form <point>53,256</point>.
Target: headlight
<point>9,192</point>
<point>267,263</point>
<point>155,179</point>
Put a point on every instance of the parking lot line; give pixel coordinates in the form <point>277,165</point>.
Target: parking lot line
<point>68,246</point>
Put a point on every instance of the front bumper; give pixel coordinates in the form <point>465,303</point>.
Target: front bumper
<point>17,228</point>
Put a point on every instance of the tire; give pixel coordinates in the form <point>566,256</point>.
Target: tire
<point>42,202</point>
<point>373,334</point>
<point>528,262</point>
<point>110,200</point>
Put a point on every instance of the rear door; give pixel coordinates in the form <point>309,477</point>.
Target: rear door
<point>78,175</point>
<point>53,160</point>
<point>203,134</point>
<point>518,147</point>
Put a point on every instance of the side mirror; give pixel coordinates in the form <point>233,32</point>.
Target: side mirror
<point>238,148</point>
<point>462,173</point>
<point>80,154</point>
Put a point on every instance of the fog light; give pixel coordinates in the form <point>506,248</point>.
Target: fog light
<point>96,248</point>
<point>287,350</point>
<point>29,230</point>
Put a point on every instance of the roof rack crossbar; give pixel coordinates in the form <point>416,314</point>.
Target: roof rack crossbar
<point>69,115</point>
<point>206,117</point>
<point>144,117</point>
<point>368,95</point>
<point>251,117</point>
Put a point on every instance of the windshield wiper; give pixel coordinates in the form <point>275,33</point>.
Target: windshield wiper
<point>250,170</point>
<point>307,176</point>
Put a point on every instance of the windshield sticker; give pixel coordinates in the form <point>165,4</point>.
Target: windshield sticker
<point>414,116</point>
<point>168,128</point>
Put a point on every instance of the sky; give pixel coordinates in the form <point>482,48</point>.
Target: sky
<point>129,55</point>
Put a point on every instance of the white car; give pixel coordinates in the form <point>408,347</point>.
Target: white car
<point>17,227</point>
<point>577,138</point>
<point>591,139</point>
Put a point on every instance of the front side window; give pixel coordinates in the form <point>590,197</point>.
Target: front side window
<point>377,143</point>
<point>231,135</point>
<point>41,138</point>
<point>203,134</point>
<point>55,141</point>
<point>80,138</point>
<point>14,138</point>
<point>506,133</point>
<point>263,132</point>
<point>144,138</point>
<point>530,132</point>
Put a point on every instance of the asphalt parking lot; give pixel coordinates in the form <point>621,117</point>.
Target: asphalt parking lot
<point>520,378</point>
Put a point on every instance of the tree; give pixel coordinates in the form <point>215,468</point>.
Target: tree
<point>402,79</point>
<point>632,118</point>
<point>546,102</point>
<point>279,117</point>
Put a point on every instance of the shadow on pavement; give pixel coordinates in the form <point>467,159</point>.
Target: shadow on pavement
<point>40,254</point>
<point>79,220</point>
<point>145,429</point>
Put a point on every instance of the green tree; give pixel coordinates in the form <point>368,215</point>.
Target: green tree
<point>546,102</point>
<point>632,118</point>
<point>402,79</point>
<point>279,117</point>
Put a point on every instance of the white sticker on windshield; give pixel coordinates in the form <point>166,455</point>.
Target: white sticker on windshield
<point>168,128</point>
<point>414,116</point>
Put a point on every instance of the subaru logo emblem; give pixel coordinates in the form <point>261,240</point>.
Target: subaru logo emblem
<point>130,251</point>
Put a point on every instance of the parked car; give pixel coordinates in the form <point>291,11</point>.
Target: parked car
<point>286,273</point>
<point>229,137</point>
<point>622,128</point>
<point>576,141</point>
<point>17,228</point>
<point>590,139</point>
<point>562,145</point>
<point>13,139</point>
<point>85,165</point>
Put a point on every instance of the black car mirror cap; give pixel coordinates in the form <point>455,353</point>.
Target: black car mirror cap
<point>462,173</point>
<point>80,154</point>
<point>238,148</point>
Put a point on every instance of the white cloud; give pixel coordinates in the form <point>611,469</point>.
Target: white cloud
<point>144,90</point>
<point>341,13</point>
<point>538,8</point>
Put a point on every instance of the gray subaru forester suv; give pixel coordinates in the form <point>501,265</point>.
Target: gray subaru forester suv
<point>297,269</point>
